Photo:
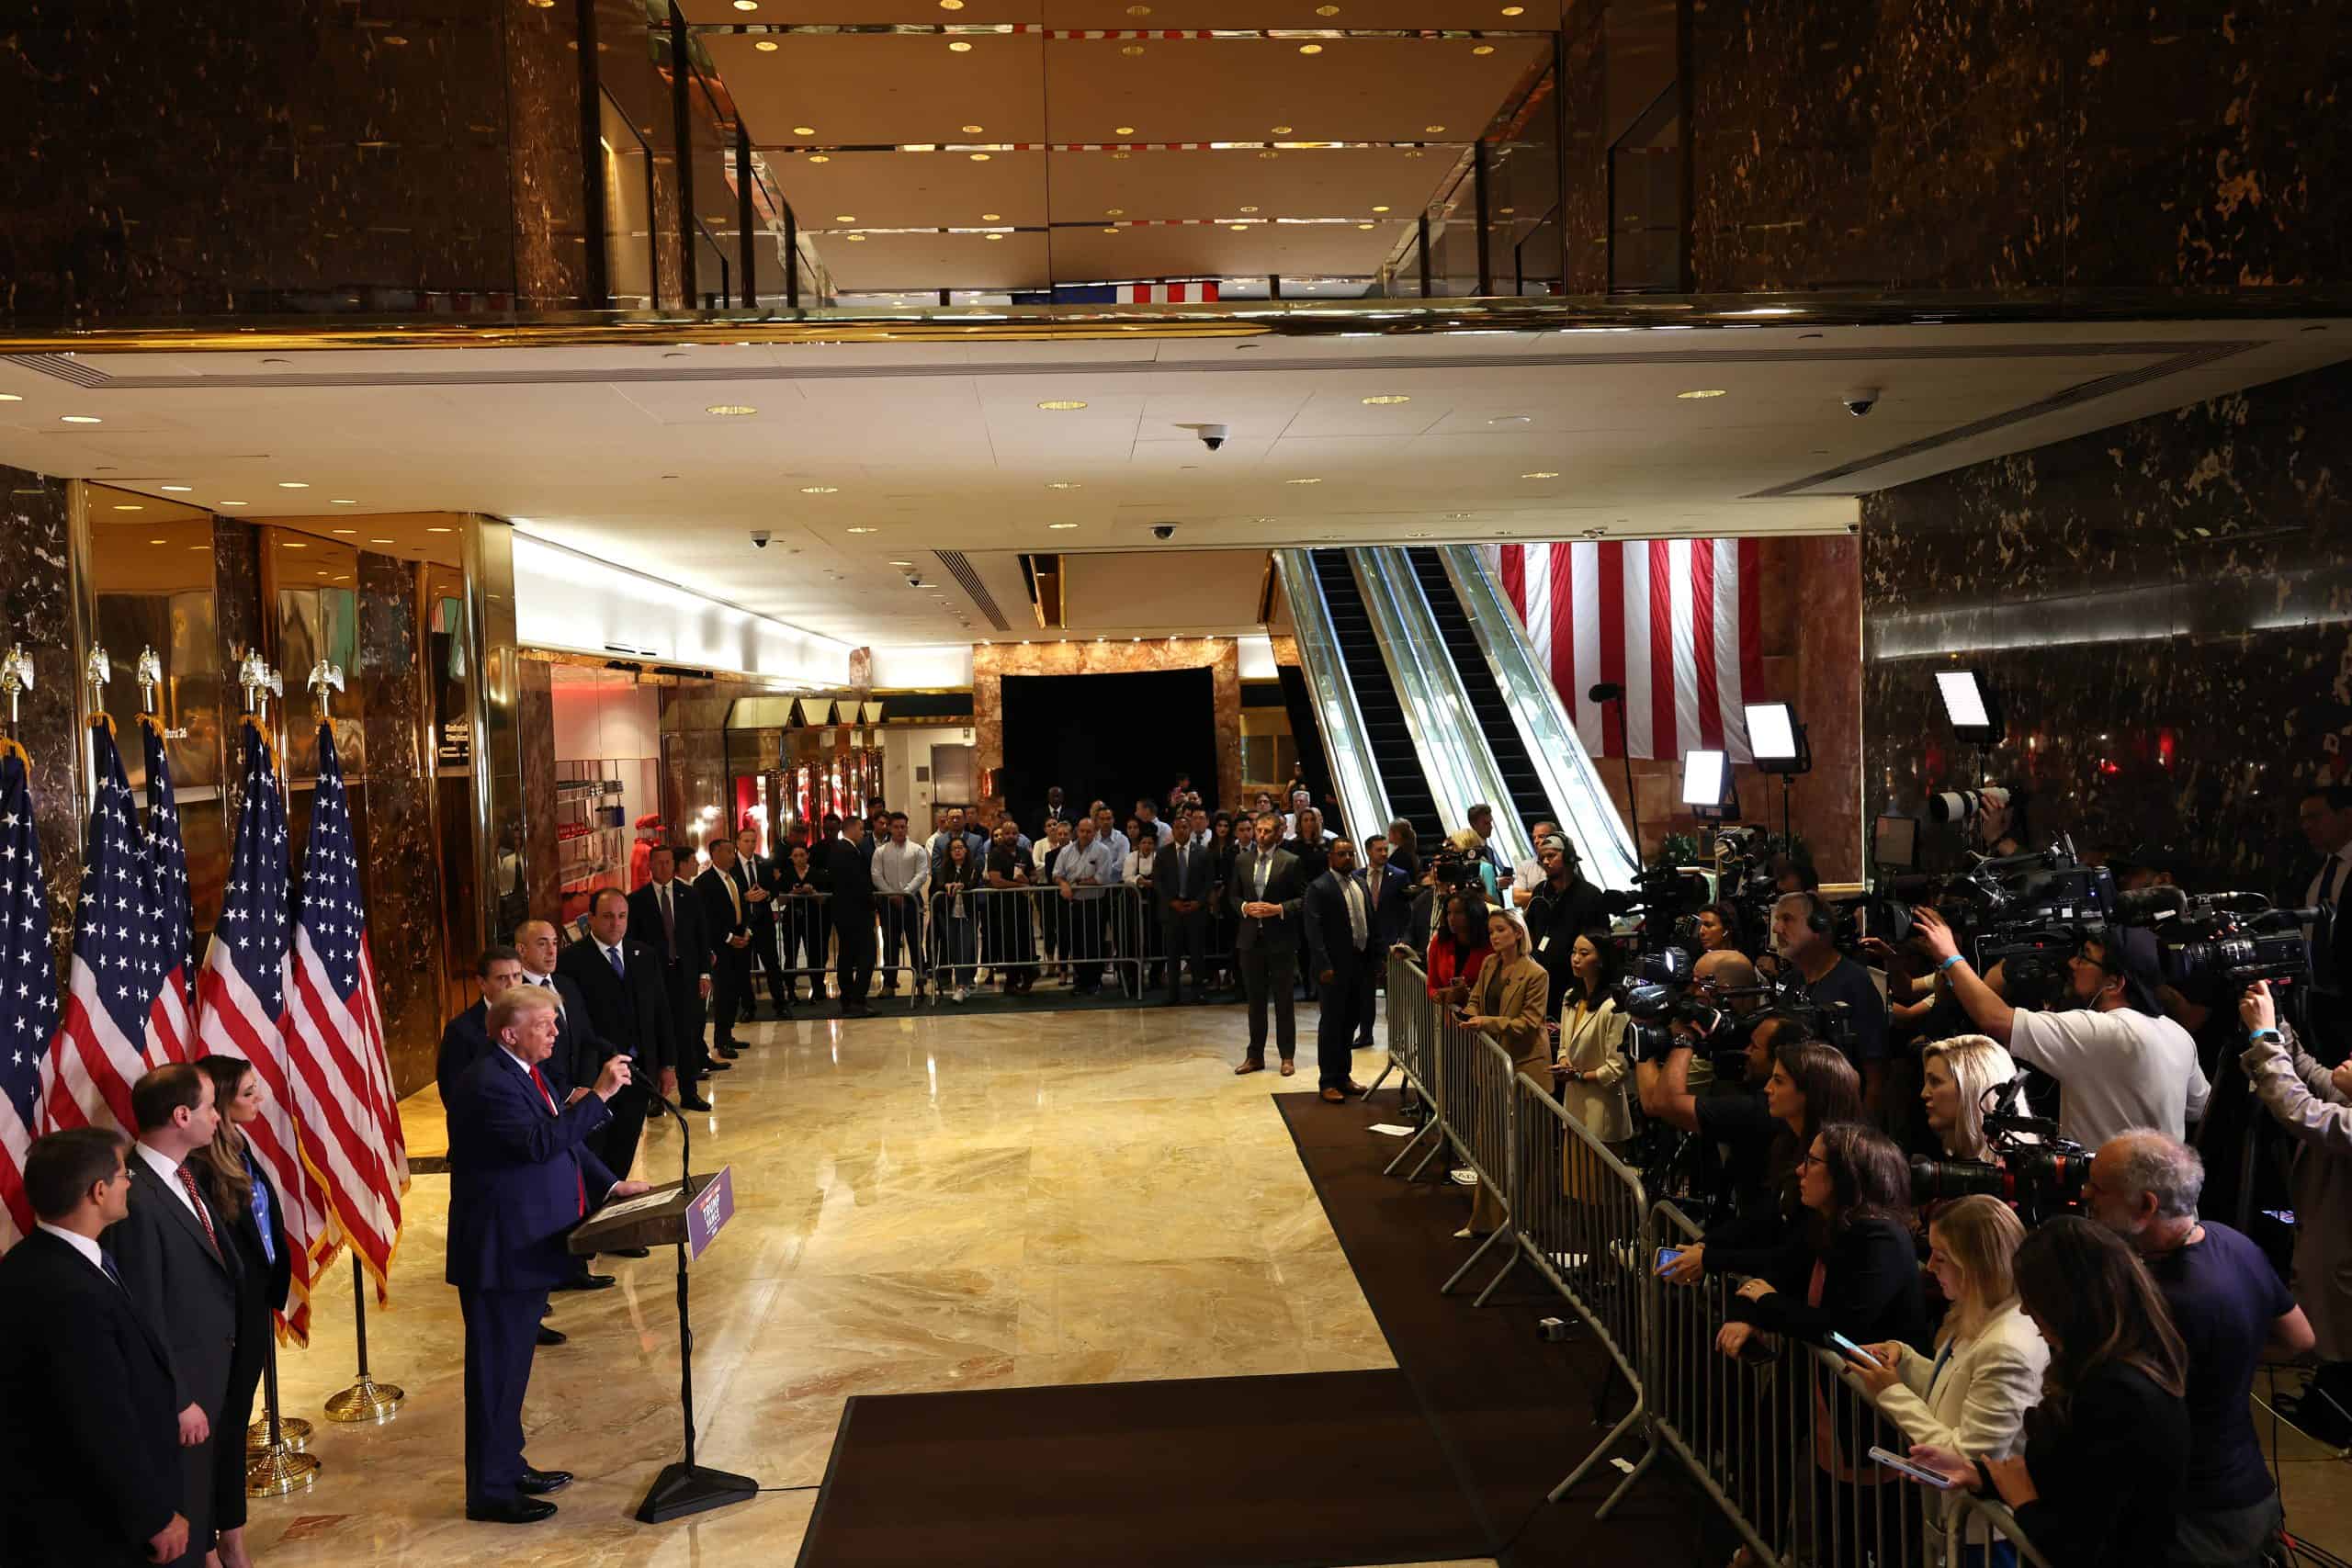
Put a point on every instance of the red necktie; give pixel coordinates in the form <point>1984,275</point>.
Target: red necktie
<point>578,1176</point>
<point>188,1179</point>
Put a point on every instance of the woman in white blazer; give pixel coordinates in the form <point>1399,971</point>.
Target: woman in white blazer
<point>1592,1066</point>
<point>1970,1397</point>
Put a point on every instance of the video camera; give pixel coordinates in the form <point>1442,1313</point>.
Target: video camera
<point>2034,1171</point>
<point>2211,945</point>
<point>2026,912</point>
<point>1453,869</point>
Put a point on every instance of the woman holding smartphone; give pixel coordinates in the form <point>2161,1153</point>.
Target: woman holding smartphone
<point>2107,1450</point>
<point>1972,1396</point>
<point>1592,1066</point>
<point>1507,1004</point>
<point>1811,1085</point>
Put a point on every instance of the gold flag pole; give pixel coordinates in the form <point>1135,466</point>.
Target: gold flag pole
<point>277,1466</point>
<point>16,679</point>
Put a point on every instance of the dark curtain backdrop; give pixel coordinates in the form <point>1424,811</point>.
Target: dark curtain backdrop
<point>1115,737</point>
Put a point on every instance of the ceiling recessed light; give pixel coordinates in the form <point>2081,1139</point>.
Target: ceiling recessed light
<point>1110,228</point>
<point>293,484</point>
<point>1248,210</point>
<point>1542,474</point>
<point>990,217</point>
<point>295,545</point>
<point>1114,212</point>
<point>844,217</point>
<point>979,157</point>
<point>1057,526</point>
<point>1484,49</point>
<point>747,4</point>
<point>1362,226</point>
<point>339,502</point>
<point>1061,405</point>
<point>345,530</point>
<point>1702,392</point>
<point>380,541</point>
<point>858,239</point>
<point>233,503</point>
<point>1310,49</point>
<point>1282,130</point>
<point>730,411</point>
<point>129,506</point>
<point>10,398</point>
<point>1061,484</point>
<point>767,46</point>
<point>1327,10</point>
<point>974,130</point>
<point>857,530</point>
<point>820,489</point>
<point>440,530</point>
<point>176,490</point>
<point>1239,228</point>
<point>1509,419</point>
<point>804,131</point>
<point>1132,51</point>
<point>1386,399</point>
<point>996,236</point>
<point>1514,10</point>
<point>1138,10</point>
<point>1301,481</point>
<point>159,541</point>
<point>1122,129</point>
<point>818,158</point>
<point>960,47</point>
<point>951,5</point>
<point>80,419</point>
<point>1382,209</point>
<point>1434,130</point>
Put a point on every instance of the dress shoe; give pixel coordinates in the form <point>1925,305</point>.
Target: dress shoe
<point>539,1483</point>
<point>510,1510</point>
<point>1354,1087</point>
<point>1289,1066</point>
<point>728,1052</point>
<point>1253,1064</point>
<point>716,1066</point>
<point>585,1282</point>
<point>627,1252</point>
<point>551,1336</point>
<point>692,1103</point>
<point>1335,1097</point>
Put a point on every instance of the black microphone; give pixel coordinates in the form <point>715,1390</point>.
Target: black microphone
<point>2147,904</point>
<point>1607,691</point>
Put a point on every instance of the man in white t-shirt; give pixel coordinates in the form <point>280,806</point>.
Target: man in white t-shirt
<point>2117,1066</point>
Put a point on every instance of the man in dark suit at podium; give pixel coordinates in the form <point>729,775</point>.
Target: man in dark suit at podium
<point>92,1453</point>
<point>520,1178</point>
<point>620,982</point>
<point>1344,949</point>
<point>665,918</point>
<point>465,1039</point>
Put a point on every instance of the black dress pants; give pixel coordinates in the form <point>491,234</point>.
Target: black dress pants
<point>730,983</point>
<point>1268,973</point>
<point>1346,1002</point>
<point>764,960</point>
<point>502,1336</point>
<point>854,939</point>
<point>1187,939</point>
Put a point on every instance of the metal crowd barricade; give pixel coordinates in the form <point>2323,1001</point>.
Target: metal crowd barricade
<point>1976,1524</point>
<point>1413,1051</point>
<point>804,937</point>
<point>1011,933</point>
<point>1583,1223</point>
<point>1474,1077</point>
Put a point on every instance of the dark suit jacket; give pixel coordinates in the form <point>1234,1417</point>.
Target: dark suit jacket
<point>850,868</point>
<point>579,1049</point>
<point>631,1015</point>
<point>718,914</point>
<point>515,1178</point>
<point>269,1278</point>
<point>465,1040</point>
<point>91,1445</point>
<point>761,871</point>
<point>1169,877</point>
<point>184,1286</point>
<point>1328,934</point>
<point>1394,911</point>
<point>1063,813</point>
<point>1283,886</point>
<point>694,943</point>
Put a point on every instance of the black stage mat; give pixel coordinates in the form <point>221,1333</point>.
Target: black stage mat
<point>1514,1415</point>
<point>1305,1471</point>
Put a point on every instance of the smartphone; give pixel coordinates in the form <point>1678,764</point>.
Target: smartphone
<point>1901,1466</point>
<point>1666,1256</point>
<point>1854,1350</point>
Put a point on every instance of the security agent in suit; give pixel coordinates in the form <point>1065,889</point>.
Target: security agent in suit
<point>848,861</point>
<point>1182,875</point>
<point>1265,896</point>
<point>762,880</point>
<point>665,917</point>
<point>1345,951</point>
<point>96,1479</point>
<point>620,982</point>
<point>465,1040</point>
<point>178,1263</point>
<point>520,1178</point>
<point>727,916</point>
<point>1388,893</point>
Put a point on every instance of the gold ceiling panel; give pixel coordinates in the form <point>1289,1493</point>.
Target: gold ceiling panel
<point>863,12</point>
<point>1320,182</point>
<point>929,262</point>
<point>883,89</point>
<point>907,189</point>
<point>1287,14</point>
<point>1212,251</point>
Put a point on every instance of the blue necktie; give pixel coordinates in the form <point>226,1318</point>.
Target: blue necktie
<point>619,968</point>
<point>106,1261</point>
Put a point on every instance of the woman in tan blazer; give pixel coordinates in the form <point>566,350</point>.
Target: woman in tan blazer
<point>1507,1004</point>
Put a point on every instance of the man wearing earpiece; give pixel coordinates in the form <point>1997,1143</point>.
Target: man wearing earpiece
<point>1802,932</point>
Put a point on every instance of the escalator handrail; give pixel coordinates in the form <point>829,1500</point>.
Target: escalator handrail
<point>1362,796</point>
<point>1446,732</point>
<point>1580,803</point>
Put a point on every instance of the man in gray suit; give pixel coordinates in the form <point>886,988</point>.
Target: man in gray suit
<point>1265,894</point>
<point>179,1267</point>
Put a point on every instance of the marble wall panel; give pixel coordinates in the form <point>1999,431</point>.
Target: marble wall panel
<point>535,733</point>
<point>401,875</point>
<point>543,117</point>
<point>2165,607</point>
<point>37,614</point>
<point>992,661</point>
<point>1584,155</point>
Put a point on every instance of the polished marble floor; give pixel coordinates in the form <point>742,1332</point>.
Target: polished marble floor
<point>927,1202</point>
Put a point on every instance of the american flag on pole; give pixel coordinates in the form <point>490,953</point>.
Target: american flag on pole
<point>334,1037</point>
<point>171,1022</point>
<point>27,987</point>
<point>1673,621</point>
<point>99,1049</point>
<point>240,1004</point>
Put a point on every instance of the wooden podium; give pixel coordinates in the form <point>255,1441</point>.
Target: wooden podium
<point>688,1215</point>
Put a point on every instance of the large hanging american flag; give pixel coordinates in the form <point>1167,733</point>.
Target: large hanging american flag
<point>334,1037</point>
<point>241,1006</point>
<point>171,1022</point>
<point>1673,621</point>
<point>99,1049</point>
<point>27,987</point>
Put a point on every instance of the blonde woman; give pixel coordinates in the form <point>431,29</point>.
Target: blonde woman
<point>1507,1004</point>
<point>1957,1073</point>
<point>1971,1397</point>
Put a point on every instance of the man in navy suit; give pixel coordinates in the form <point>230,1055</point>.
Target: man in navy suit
<point>92,1451</point>
<point>665,917</point>
<point>619,983</point>
<point>465,1039</point>
<point>520,1178</point>
<point>1342,942</point>
<point>1389,892</point>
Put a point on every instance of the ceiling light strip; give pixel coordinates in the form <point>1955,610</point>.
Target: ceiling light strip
<point>1116,35</point>
<point>959,567</point>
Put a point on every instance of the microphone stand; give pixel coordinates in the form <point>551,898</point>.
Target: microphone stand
<point>684,1487</point>
<point>1608,692</point>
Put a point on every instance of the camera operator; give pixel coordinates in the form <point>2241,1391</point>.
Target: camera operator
<point>1809,1085</point>
<point>1959,1074</point>
<point>2314,1105</point>
<point>1560,905</point>
<point>1803,929</point>
<point>2229,1307</point>
<point>2118,1065</point>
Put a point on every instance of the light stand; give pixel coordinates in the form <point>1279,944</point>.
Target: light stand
<point>1612,692</point>
<point>684,1487</point>
<point>1776,743</point>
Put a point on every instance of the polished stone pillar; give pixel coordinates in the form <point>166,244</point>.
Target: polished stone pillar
<point>37,612</point>
<point>400,876</point>
<point>535,753</point>
<point>493,693</point>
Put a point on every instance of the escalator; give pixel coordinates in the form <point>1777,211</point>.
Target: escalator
<point>1528,802</point>
<point>1386,736</point>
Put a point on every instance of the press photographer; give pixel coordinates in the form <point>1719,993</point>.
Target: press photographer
<point>1993,1143</point>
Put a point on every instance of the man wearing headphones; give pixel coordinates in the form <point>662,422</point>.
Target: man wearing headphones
<point>1802,934</point>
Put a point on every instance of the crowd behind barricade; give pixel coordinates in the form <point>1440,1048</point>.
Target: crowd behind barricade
<point>1979,1195</point>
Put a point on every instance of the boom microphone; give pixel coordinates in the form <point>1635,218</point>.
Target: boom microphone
<point>2146,904</point>
<point>1607,691</point>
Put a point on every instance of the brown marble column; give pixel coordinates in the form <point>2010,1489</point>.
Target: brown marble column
<point>535,743</point>
<point>37,612</point>
<point>402,877</point>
